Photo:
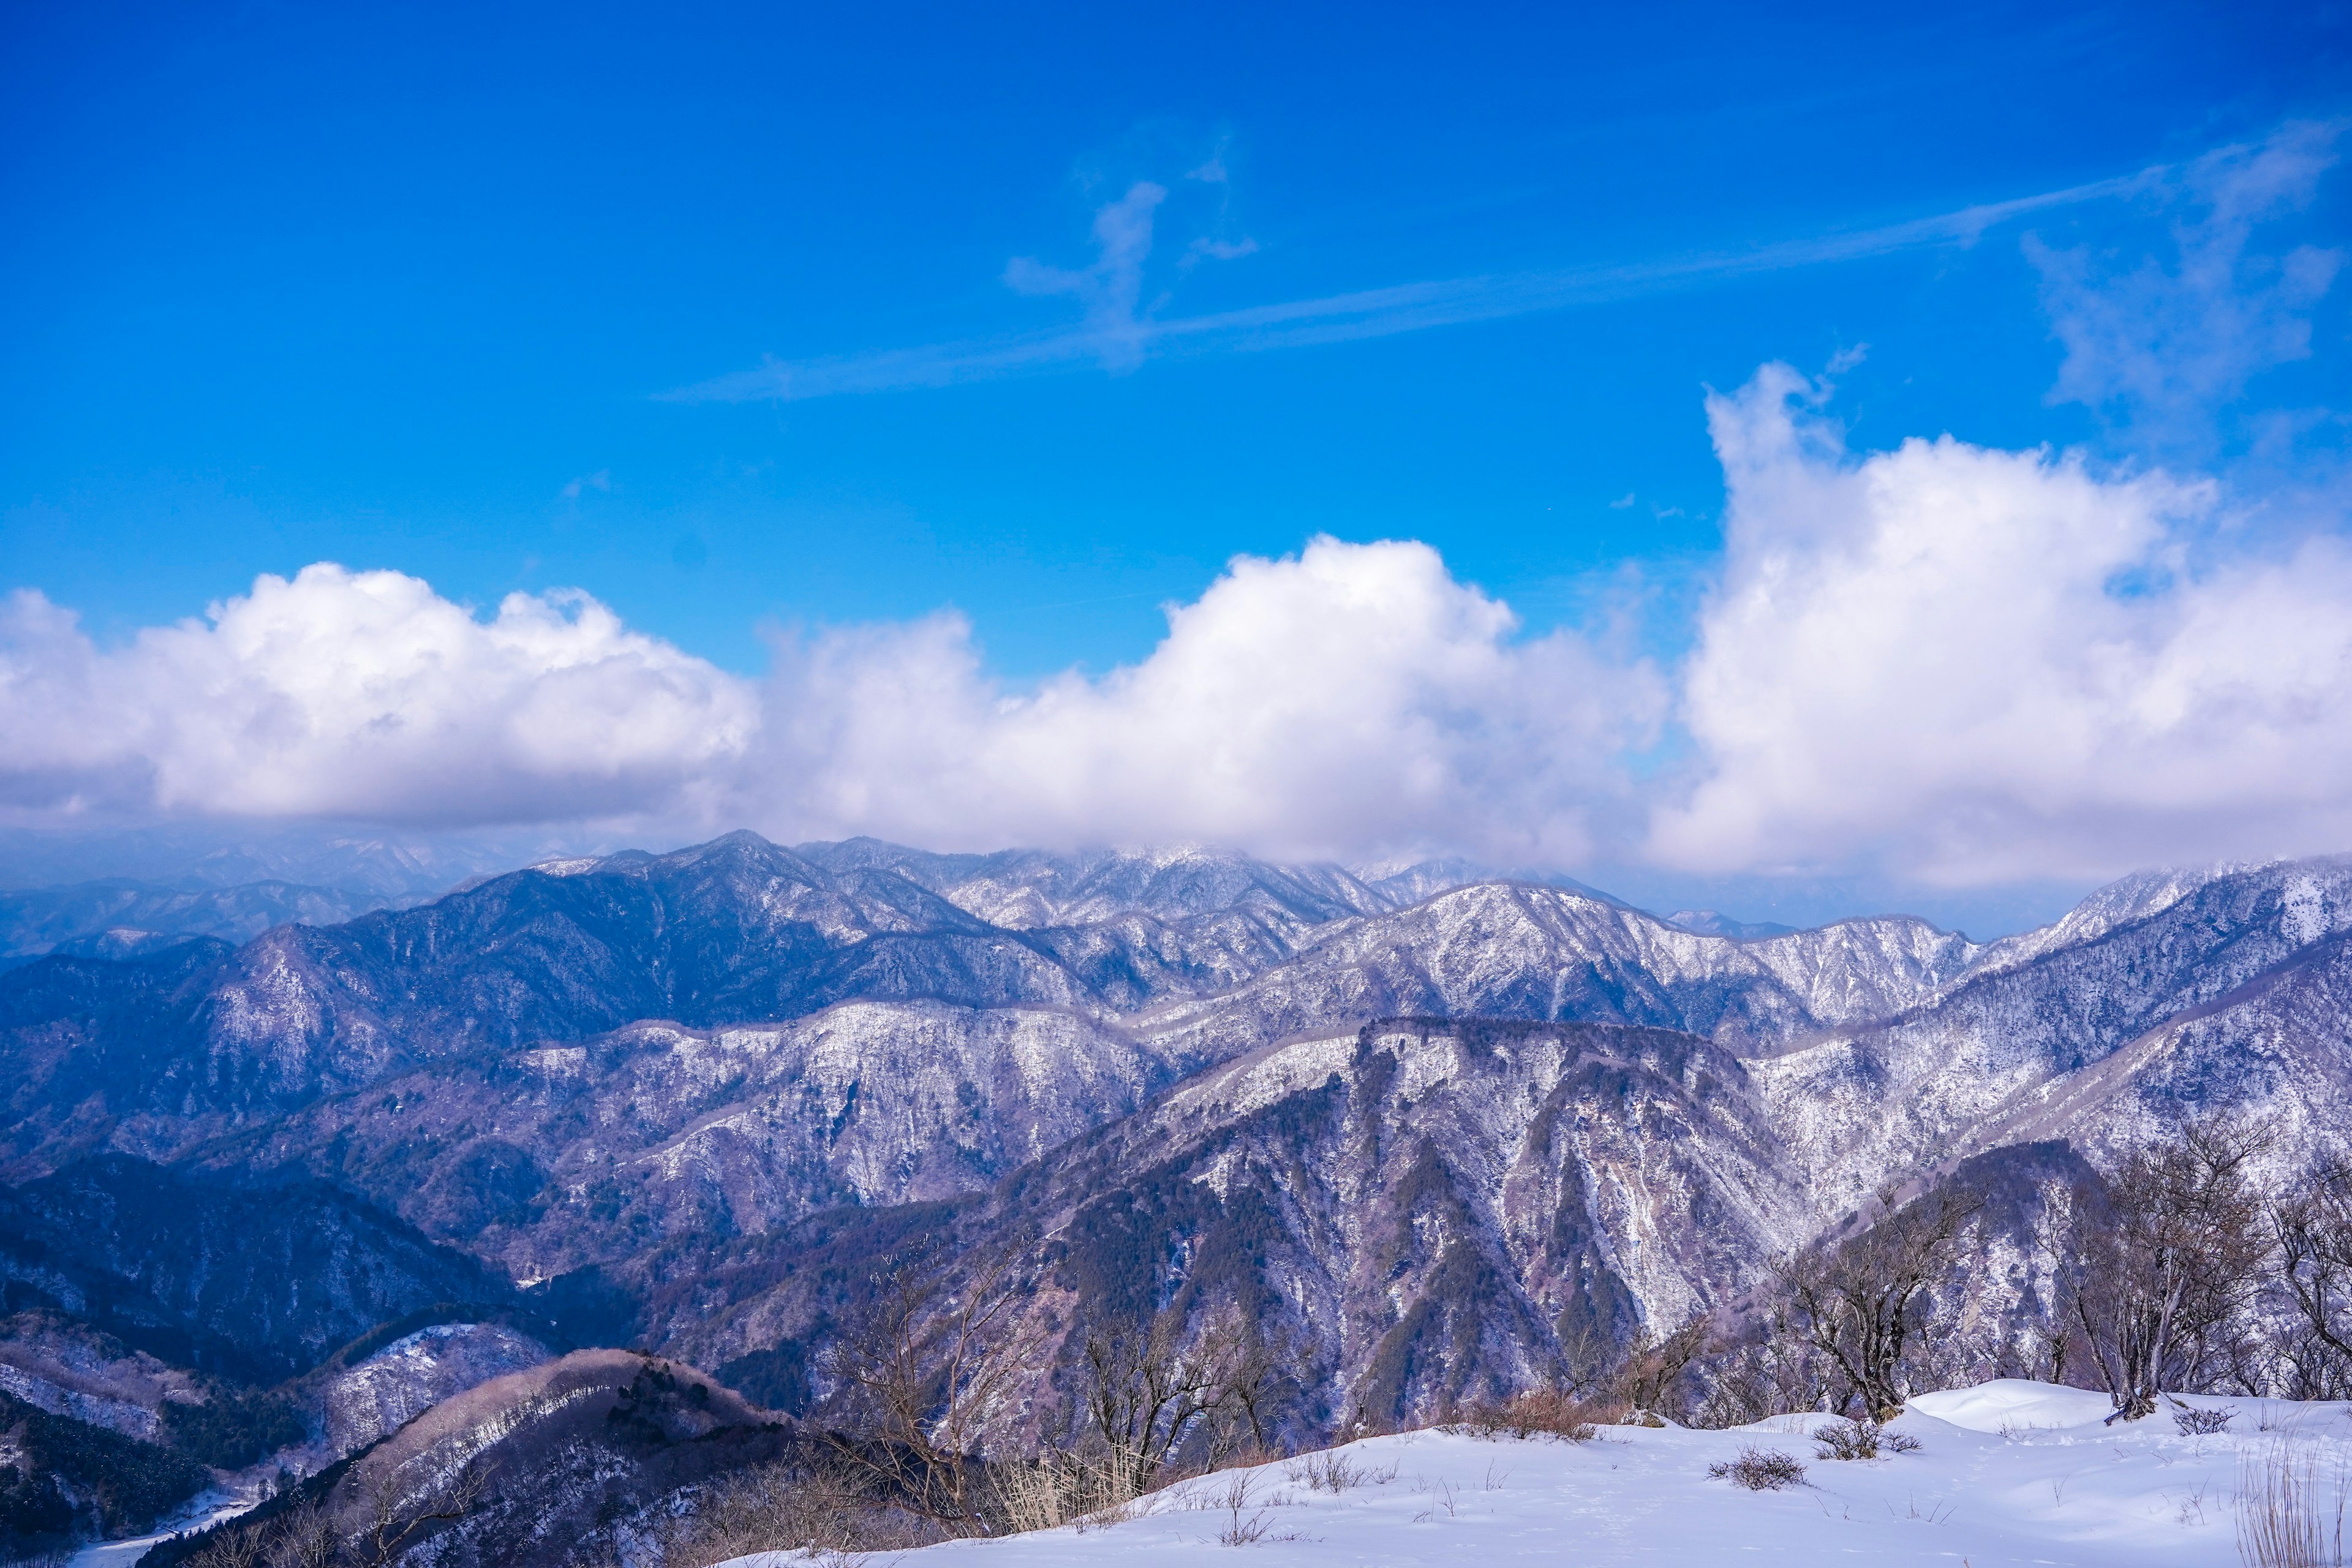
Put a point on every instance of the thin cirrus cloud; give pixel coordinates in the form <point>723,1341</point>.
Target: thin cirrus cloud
<point>1118,332</point>
<point>2164,346</point>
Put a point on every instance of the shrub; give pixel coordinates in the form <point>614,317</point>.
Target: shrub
<point>1864,1439</point>
<point>1538,1413</point>
<point>2201,1423</point>
<point>1760,1470</point>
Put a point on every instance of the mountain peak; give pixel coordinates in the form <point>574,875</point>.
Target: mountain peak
<point>1714,922</point>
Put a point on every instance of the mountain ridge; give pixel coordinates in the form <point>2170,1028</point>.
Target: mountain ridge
<point>617,1074</point>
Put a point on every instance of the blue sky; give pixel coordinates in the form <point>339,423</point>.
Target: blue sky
<point>486,300</point>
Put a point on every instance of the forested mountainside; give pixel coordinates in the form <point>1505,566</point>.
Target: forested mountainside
<point>123,918</point>
<point>1434,1134</point>
<point>1416,1211</point>
<point>256,1282</point>
<point>1193,957</point>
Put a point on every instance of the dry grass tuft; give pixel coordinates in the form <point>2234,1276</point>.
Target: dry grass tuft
<point>2290,1509</point>
<point>1332,1471</point>
<point>1059,1488</point>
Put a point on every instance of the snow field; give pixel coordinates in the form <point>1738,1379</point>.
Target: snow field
<point>2007,1473</point>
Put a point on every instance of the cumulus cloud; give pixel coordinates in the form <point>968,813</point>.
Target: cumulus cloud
<point>1976,665</point>
<point>1942,661</point>
<point>362,694</point>
<point>1352,696</point>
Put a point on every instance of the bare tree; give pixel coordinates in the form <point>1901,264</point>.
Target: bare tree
<point>2161,1267</point>
<point>2300,1366</point>
<point>1147,1389</point>
<point>396,1515</point>
<point>1652,1366</point>
<point>1588,1358</point>
<point>2313,1229</point>
<point>232,1548</point>
<point>1257,1373</point>
<point>925,1370</point>
<point>1861,1303</point>
<point>1769,1371</point>
<point>302,1536</point>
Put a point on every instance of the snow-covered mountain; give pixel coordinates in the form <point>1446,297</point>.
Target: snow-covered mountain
<point>118,919</point>
<point>2177,994</point>
<point>1515,949</point>
<point>1425,1211</point>
<point>551,1158</point>
<point>668,1067</point>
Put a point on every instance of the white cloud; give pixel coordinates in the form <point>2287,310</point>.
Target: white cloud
<point>1351,696</point>
<point>2170,345</point>
<point>1119,334</point>
<point>1111,290</point>
<point>362,694</point>
<point>1942,661</point>
<point>1976,665</point>
<point>1207,249</point>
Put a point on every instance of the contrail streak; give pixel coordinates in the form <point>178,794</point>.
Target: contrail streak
<point>1366,313</point>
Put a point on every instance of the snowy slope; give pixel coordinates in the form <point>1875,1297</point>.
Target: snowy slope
<point>2231,991</point>
<point>657,1063</point>
<point>1515,950</point>
<point>1430,1208</point>
<point>2007,1473</point>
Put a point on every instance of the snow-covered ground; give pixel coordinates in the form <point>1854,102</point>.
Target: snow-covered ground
<point>208,1509</point>
<point>2006,1473</point>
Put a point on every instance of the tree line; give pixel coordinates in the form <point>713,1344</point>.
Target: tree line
<point>2179,1270</point>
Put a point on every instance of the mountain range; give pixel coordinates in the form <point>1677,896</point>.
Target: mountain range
<point>1437,1129</point>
